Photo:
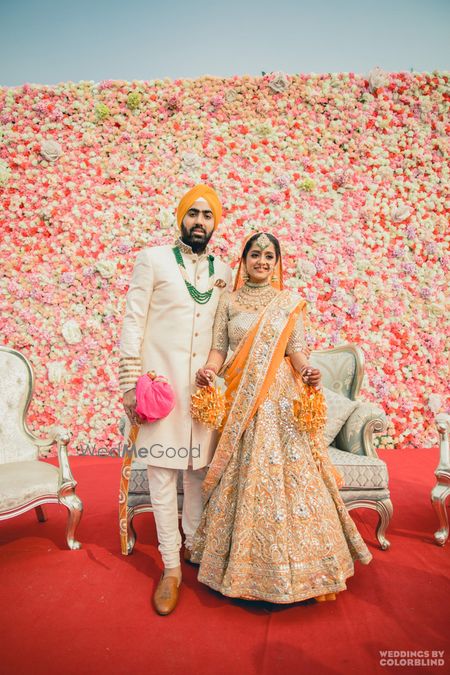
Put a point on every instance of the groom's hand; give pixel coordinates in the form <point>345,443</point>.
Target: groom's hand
<point>129,404</point>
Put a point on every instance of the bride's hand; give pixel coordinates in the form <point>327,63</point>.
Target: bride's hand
<point>204,377</point>
<point>311,376</point>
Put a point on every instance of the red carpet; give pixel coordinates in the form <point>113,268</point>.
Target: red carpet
<point>89,611</point>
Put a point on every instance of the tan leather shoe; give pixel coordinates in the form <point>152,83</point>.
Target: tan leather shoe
<point>165,597</point>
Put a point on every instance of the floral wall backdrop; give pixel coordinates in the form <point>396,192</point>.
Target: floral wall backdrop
<point>349,171</point>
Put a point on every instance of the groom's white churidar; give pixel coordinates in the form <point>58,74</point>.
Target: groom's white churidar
<point>167,328</point>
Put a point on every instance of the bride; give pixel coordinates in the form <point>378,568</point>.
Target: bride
<point>274,526</point>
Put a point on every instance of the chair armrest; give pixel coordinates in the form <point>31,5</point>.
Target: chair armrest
<point>61,437</point>
<point>356,435</point>
<point>46,443</point>
<point>65,474</point>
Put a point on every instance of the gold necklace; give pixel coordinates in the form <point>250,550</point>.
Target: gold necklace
<point>255,297</point>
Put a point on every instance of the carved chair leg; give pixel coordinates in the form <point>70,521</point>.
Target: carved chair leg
<point>131,532</point>
<point>40,513</point>
<point>384,510</point>
<point>438,498</point>
<point>75,507</point>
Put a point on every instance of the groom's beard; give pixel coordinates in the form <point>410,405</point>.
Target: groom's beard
<point>197,243</point>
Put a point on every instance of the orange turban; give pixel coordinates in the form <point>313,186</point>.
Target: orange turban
<point>198,192</point>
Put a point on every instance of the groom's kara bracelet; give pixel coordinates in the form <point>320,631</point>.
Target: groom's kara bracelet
<point>210,366</point>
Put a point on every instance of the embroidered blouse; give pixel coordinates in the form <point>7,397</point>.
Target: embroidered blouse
<point>235,315</point>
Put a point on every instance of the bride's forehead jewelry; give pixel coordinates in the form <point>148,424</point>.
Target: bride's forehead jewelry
<point>263,241</point>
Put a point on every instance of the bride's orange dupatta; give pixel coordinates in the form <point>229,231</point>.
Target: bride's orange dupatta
<point>249,375</point>
<point>234,371</point>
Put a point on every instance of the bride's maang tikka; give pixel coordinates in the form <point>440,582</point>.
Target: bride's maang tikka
<point>263,241</point>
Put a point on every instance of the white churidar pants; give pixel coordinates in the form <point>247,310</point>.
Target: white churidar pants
<point>163,493</point>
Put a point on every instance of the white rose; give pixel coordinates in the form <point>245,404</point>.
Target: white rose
<point>56,371</point>
<point>190,161</point>
<point>71,332</point>
<point>106,268</point>
<point>400,213</point>
<point>263,107</point>
<point>436,309</point>
<point>265,130</point>
<point>5,172</point>
<point>279,82</point>
<point>306,268</point>
<point>377,78</point>
<point>94,322</point>
<point>434,403</point>
<point>362,265</point>
<point>78,309</point>
<point>319,237</point>
<point>166,218</point>
<point>51,150</point>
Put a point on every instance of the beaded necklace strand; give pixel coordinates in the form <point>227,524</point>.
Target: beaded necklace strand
<point>200,297</point>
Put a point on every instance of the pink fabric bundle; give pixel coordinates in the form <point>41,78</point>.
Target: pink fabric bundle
<point>154,397</point>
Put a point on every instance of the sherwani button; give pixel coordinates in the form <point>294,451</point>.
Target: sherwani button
<point>194,354</point>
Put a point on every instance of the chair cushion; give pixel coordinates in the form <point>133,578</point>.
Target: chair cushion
<point>138,484</point>
<point>359,471</point>
<point>22,482</point>
<point>339,410</point>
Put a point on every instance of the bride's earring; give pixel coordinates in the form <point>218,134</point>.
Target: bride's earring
<point>245,275</point>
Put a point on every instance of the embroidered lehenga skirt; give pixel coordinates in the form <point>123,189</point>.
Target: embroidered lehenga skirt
<point>275,527</point>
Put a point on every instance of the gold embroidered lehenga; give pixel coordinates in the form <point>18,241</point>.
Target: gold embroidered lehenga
<point>274,526</point>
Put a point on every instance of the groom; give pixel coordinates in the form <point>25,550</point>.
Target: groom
<point>170,308</point>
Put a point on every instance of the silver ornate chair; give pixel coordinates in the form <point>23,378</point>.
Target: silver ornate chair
<point>441,490</point>
<point>26,482</point>
<point>352,451</point>
<point>366,480</point>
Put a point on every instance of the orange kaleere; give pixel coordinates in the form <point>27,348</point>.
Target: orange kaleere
<point>208,406</point>
<point>310,414</point>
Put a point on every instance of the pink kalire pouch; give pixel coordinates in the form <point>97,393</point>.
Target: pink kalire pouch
<point>155,397</point>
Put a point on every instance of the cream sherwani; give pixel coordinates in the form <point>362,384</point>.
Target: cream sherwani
<point>165,330</point>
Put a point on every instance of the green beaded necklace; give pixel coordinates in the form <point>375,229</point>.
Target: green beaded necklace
<point>198,296</point>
